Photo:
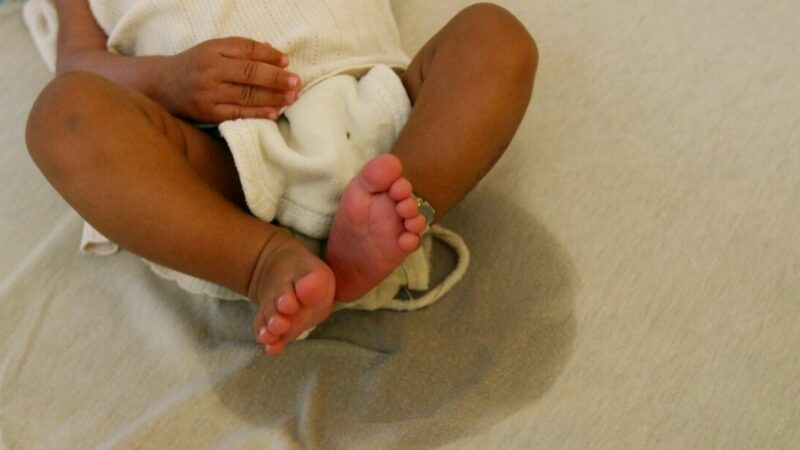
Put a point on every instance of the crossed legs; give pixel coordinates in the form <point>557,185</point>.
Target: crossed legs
<point>170,193</point>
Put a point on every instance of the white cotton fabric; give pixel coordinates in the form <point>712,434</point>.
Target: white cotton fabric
<point>294,170</point>
<point>352,106</point>
<point>321,37</point>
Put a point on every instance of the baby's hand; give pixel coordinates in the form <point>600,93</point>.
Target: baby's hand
<point>228,78</point>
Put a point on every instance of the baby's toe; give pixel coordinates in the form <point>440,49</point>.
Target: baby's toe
<point>314,289</point>
<point>274,349</point>
<point>407,208</point>
<point>409,242</point>
<point>400,190</point>
<point>259,325</point>
<point>380,173</point>
<point>261,335</point>
<point>270,338</point>
<point>416,224</point>
<point>287,304</point>
<point>264,337</point>
<point>278,324</point>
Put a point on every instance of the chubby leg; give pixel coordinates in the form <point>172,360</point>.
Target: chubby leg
<point>470,86</point>
<point>169,193</point>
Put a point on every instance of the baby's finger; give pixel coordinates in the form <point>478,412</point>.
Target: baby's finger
<point>223,112</point>
<point>247,95</point>
<point>248,49</point>
<point>239,71</point>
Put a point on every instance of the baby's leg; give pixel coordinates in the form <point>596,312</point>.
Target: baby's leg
<point>169,192</point>
<point>470,86</point>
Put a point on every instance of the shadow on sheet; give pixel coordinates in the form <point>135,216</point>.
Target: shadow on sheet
<point>402,380</point>
<point>160,366</point>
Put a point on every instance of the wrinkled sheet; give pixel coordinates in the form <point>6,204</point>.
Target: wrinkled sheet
<point>635,278</point>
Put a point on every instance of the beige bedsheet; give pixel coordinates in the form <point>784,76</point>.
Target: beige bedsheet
<point>635,279</point>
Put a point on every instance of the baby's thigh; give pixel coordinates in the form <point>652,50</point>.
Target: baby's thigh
<point>203,148</point>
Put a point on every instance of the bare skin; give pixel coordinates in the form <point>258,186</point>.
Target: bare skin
<point>376,226</point>
<point>123,155</point>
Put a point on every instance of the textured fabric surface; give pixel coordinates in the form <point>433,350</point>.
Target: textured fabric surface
<point>635,278</point>
<point>313,33</point>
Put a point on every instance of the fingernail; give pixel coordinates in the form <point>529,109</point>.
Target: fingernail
<point>293,82</point>
<point>284,60</point>
<point>273,115</point>
<point>262,331</point>
<point>291,96</point>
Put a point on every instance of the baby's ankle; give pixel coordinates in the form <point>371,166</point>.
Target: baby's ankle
<point>274,243</point>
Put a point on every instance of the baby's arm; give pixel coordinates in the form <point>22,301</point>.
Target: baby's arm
<point>214,81</point>
<point>82,46</point>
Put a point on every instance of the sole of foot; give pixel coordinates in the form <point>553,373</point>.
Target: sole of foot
<point>376,227</point>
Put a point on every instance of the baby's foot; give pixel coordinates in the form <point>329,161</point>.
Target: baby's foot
<point>376,226</point>
<point>294,290</point>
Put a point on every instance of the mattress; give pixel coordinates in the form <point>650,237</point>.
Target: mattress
<point>635,277</point>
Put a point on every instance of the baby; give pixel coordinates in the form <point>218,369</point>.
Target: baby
<point>113,134</point>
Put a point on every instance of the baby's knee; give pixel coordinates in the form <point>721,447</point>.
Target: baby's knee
<point>68,101</point>
<point>69,95</point>
<point>66,108</point>
<point>505,41</point>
